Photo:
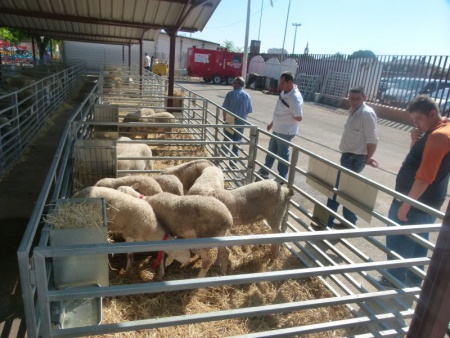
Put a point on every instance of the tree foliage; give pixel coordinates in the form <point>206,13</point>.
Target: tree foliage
<point>15,35</point>
<point>363,54</point>
<point>230,46</point>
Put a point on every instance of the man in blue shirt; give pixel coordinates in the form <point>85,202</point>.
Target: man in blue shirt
<point>239,103</point>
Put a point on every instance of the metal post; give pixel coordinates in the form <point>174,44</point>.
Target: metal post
<point>295,35</point>
<point>244,61</point>
<point>285,29</point>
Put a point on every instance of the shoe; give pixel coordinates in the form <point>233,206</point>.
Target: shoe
<point>318,225</point>
<point>279,180</point>
<point>263,176</point>
<point>386,283</point>
<point>233,165</point>
<point>339,225</point>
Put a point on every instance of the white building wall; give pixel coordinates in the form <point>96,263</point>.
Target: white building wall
<point>98,55</point>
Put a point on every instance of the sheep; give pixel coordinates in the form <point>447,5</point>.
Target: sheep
<point>135,117</point>
<point>133,218</point>
<point>188,172</point>
<point>169,183</point>
<point>192,217</point>
<point>145,185</point>
<point>133,150</point>
<point>147,115</point>
<point>208,183</point>
<point>263,200</point>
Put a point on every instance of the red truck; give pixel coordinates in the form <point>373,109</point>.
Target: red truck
<point>214,65</point>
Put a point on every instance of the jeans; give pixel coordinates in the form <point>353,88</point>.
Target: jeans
<point>405,246</point>
<point>355,163</point>
<point>281,149</point>
<point>236,137</point>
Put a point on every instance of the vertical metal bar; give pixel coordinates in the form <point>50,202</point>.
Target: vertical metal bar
<point>43,304</point>
<point>252,152</point>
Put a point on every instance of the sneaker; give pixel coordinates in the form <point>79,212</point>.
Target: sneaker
<point>263,175</point>
<point>339,225</point>
<point>386,283</point>
<point>279,180</point>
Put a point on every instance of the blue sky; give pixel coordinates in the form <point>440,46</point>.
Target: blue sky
<point>405,27</point>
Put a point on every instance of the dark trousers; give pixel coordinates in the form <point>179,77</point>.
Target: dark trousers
<point>355,163</point>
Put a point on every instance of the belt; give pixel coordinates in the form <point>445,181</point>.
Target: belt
<point>353,154</point>
<point>397,200</point>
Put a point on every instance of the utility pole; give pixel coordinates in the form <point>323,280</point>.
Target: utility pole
<point>244,61</point>
<point>295,35</point>
<point>285,30</point>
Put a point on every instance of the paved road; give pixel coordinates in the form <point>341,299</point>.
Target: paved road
<point>321,130</point>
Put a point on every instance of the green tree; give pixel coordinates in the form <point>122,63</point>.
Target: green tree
<point>15,36</point>
<point>231,47</point>
<point>363,54</point>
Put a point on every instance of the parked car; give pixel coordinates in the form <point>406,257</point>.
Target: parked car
<point>433,86</point>
<point>442,98</point>
<point>402,90</point>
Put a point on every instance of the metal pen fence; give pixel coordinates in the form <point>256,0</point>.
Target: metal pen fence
<point>346,261</point>
<point>34,94</point>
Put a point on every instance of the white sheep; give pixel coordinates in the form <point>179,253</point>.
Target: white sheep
<point>193,217</point>
<point>188,172</point>
<point>208,183</point>
<point>147,115</point>
<point>135,117</point>
<point>263,200</point>
<point>169,183</point>
<point>133,150</point>
<point>133,218</point>
<point>145,185</point>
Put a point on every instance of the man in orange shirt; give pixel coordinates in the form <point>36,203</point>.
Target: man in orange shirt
<point>423,176</point>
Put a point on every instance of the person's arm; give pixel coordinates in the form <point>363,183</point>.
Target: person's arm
<point>269,126</point>
<point>298,118</point>
<point>418,188</point>
<point>370,151</point>
<point>415,136</point>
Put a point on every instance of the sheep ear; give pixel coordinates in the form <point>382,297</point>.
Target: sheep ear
<point>169,260</point>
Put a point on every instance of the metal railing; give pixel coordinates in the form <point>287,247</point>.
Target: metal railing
<point>391,80</point>
<point>25,111</point>
<point>347,261</point>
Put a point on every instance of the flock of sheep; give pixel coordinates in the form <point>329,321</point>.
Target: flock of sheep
<point>187,201</point>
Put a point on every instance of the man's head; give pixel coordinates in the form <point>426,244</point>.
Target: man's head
<point>146,54</point>
<point>286,82</point>
<point>424,112</point>
<point>238,82</point>
<point>356,96</point>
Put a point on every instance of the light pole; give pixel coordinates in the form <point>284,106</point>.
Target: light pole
<point>295,35</point>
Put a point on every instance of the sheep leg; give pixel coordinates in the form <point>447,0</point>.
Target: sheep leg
<point>205,254</point>
<point>161,270</point>
<point>130,256</point>
<point>223,259</point>
<point>130,261</point>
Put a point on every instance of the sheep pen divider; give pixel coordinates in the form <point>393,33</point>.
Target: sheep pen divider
<point>342,259</point>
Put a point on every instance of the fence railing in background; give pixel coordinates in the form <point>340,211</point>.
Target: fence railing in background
<point>391,80</point>
<point>35,93</point>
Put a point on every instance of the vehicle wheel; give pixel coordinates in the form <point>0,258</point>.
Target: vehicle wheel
<point>217,79</point>
<point>206,79</point>
<point>230,80</point>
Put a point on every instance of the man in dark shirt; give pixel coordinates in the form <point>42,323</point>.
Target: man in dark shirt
<point>423,176</point>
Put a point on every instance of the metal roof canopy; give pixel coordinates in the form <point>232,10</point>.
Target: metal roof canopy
<point>120,22</point>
